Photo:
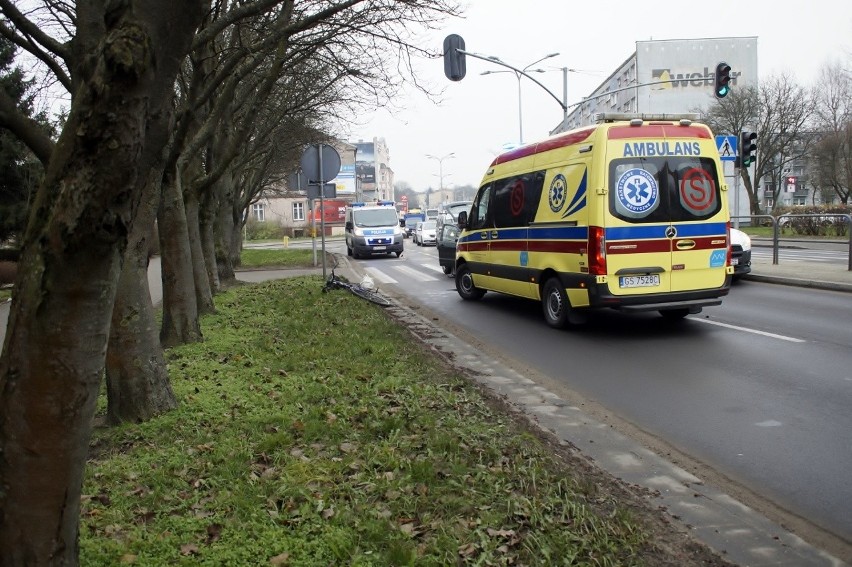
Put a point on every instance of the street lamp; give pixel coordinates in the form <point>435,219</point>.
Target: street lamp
<point>440,161</point>
<point>518,75</point>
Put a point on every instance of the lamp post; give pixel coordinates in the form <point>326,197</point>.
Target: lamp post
<point>440,161</point>
<point>518,75</point>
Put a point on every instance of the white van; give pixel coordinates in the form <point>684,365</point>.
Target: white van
<point>373,228</point>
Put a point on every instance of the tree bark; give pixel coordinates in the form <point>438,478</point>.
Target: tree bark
<point>203,292</point>
<point>224,230</point>
<point>56,342</point>
<point>137,378</point>
<point>180,309</point>
<point>208,239</point>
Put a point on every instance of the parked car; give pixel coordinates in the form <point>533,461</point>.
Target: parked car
<point>447,239</point>
<point>740,253</point>
<point>424,233</point>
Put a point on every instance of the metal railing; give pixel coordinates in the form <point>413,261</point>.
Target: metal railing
<point>778,221</point>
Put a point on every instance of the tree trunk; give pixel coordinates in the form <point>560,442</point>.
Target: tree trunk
<point>180,309</point>
<point>53,358</point>
<point>224,230</point>
<point>137,378</point>
<point>203,291</point>
<point>208,239</point>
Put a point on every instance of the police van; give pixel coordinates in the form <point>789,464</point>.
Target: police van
<point>630,213</point>
<point>372,228</point>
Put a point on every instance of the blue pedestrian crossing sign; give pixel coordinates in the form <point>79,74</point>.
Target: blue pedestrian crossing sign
<point>727,146</point>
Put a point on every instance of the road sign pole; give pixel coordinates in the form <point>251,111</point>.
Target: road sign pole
<point>322,210</point>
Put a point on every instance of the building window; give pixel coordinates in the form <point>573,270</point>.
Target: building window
<point>257,211</point>
<point>298,211</point>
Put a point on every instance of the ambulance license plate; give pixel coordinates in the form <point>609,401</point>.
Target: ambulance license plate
<point>639,281</point>
<point>379,247</point>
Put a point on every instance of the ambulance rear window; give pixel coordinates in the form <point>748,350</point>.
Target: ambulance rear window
<point>664,189</point>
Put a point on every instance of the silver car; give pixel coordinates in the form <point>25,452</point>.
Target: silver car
<point>425,233</point>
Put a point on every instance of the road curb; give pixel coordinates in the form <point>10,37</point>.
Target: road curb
<point>799,282</point>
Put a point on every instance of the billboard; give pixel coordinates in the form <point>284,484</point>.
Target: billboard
<point>682,71</point>
<point>365,162</point>
<point>345,180</point>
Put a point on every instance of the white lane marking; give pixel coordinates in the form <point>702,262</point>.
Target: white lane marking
<point>769,423</point>
<point>416,274</point>
<point>381,276</point>
<point>434,267</point>
<point>747,330</point>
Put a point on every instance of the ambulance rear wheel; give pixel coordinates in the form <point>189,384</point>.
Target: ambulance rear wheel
<point>555,304</point>
<point>464,284</point>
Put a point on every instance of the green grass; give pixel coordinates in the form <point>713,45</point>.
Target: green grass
<point>312,431</point>
<point>284,257</point>
<point>5,294</point>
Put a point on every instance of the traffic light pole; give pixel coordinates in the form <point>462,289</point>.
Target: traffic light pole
<point>495,60</point>
<point>737,196</point>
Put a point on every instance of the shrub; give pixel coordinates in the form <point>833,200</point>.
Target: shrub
<point>256,230</point>
<point>822,223</point>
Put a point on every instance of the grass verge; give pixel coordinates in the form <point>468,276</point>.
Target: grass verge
<point>313,431</point>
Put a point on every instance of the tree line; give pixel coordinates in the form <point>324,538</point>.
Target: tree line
<point>181,114</point>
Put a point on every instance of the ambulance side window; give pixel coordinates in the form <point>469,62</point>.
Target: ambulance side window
<point>478,218</point>
<point>516,199</point>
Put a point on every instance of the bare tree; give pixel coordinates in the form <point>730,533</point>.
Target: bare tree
<point>125,56</point>
<point>310,65</point>
<point>136,374</point>
<point>779,111</point>
<point>831,157</point>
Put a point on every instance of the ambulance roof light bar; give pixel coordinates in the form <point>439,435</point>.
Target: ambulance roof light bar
<point>637,119</point>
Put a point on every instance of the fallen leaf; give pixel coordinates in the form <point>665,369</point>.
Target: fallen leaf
<point>214,532</point>
<point>280,559</point>
<point>189,549</point>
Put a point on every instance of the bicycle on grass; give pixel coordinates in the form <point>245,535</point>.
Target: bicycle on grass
<point>336,282</point>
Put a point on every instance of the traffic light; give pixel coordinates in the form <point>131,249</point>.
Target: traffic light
<point>723,80</point>
<point>748,146</point>
<point>454,63</point>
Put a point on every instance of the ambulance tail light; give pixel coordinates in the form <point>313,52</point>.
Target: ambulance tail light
<point>597,251</point>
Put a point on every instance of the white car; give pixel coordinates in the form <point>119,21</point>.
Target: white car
<point>740,253</point>
<point>425,233</point>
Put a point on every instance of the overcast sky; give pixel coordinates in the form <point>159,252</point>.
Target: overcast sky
<point>479,114</point>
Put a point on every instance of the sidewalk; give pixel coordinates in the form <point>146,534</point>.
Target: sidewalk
<point>819,275</point>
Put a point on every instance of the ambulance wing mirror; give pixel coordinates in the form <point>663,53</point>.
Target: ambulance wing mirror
<point>349,225</point>
<point>462,223</point>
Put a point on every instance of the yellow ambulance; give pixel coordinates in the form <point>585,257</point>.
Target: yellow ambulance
<point>630,213</point>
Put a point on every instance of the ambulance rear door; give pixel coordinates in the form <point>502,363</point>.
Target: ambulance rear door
<point>666,223</point>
